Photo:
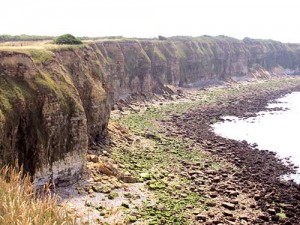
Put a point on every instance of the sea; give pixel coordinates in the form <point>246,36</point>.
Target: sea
<point>275,130</point>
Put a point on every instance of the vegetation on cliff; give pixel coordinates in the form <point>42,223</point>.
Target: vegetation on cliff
<point>21,204</point>
<point>23,37</point>
<point>162,38</point>
<point>67,39</point>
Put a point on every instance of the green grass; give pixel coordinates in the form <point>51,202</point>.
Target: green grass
<point>159,54</point>
<point>40,55</point>
<point>48,83</point>
<point>23,37</point>
<point>12,90</point>
<point>64,47</point>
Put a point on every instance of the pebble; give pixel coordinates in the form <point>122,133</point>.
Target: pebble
<point>263,217</point>
<point>227,213</point>
<point>211,204</point>
<point>200,217</point>
<point>272,211</point>
<point>243,217</point>
<point>228,205</point>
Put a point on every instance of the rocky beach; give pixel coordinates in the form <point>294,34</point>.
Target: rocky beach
<point>259,171</point>
<point>163,164</point>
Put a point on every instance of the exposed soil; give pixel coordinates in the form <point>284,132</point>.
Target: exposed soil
<point>258,174</point>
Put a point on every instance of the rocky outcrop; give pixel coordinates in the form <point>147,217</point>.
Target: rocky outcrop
<point>55,102</point>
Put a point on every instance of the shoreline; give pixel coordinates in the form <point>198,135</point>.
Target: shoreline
<point>260,167</point>
<point>277,136</point>
<point>185,174</point>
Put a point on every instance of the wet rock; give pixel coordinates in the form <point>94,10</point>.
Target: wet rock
<point>257,171</point>
<point>213,194</point>
<point>105,153</point>
<point>112,195</point>
<point>197,211</point>
<point>257,197</point>
<point>227,213</point>
<point>127,178</point>
<point>233,193</point>
<point>244,217</point>
<point>145,176</point>
<point>272,211</point>
<point>92,158</point>
<point>264,217</point>
<point>200,217</point>
<point>216,179</point>
<point>194,172</point>
<point>212,172</point>
<point>125,204</point>
<point>228,205</point>
<point>211,214</point>
<point>153,136</point>
<point>275,218</point>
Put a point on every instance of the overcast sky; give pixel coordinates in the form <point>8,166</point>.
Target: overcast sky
<point>267,19</point>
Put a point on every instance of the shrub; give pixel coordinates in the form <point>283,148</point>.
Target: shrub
<point>67,39</point>
<point>162,38</point>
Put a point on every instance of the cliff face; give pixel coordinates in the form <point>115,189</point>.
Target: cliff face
<point>53,103</point>
<point>50,109</point>
<point>145,67</point>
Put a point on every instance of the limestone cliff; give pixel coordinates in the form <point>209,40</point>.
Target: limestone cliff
<point>56,101</point>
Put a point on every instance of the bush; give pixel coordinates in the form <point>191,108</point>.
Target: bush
<point>67,39</point>
<point>162,38</point>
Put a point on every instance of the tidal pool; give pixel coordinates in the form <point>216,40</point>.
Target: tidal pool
<point>278,131</point>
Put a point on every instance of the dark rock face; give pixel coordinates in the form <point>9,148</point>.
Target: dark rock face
<point>53,103</point>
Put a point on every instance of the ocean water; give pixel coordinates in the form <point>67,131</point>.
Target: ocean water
<point>278,131</point>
